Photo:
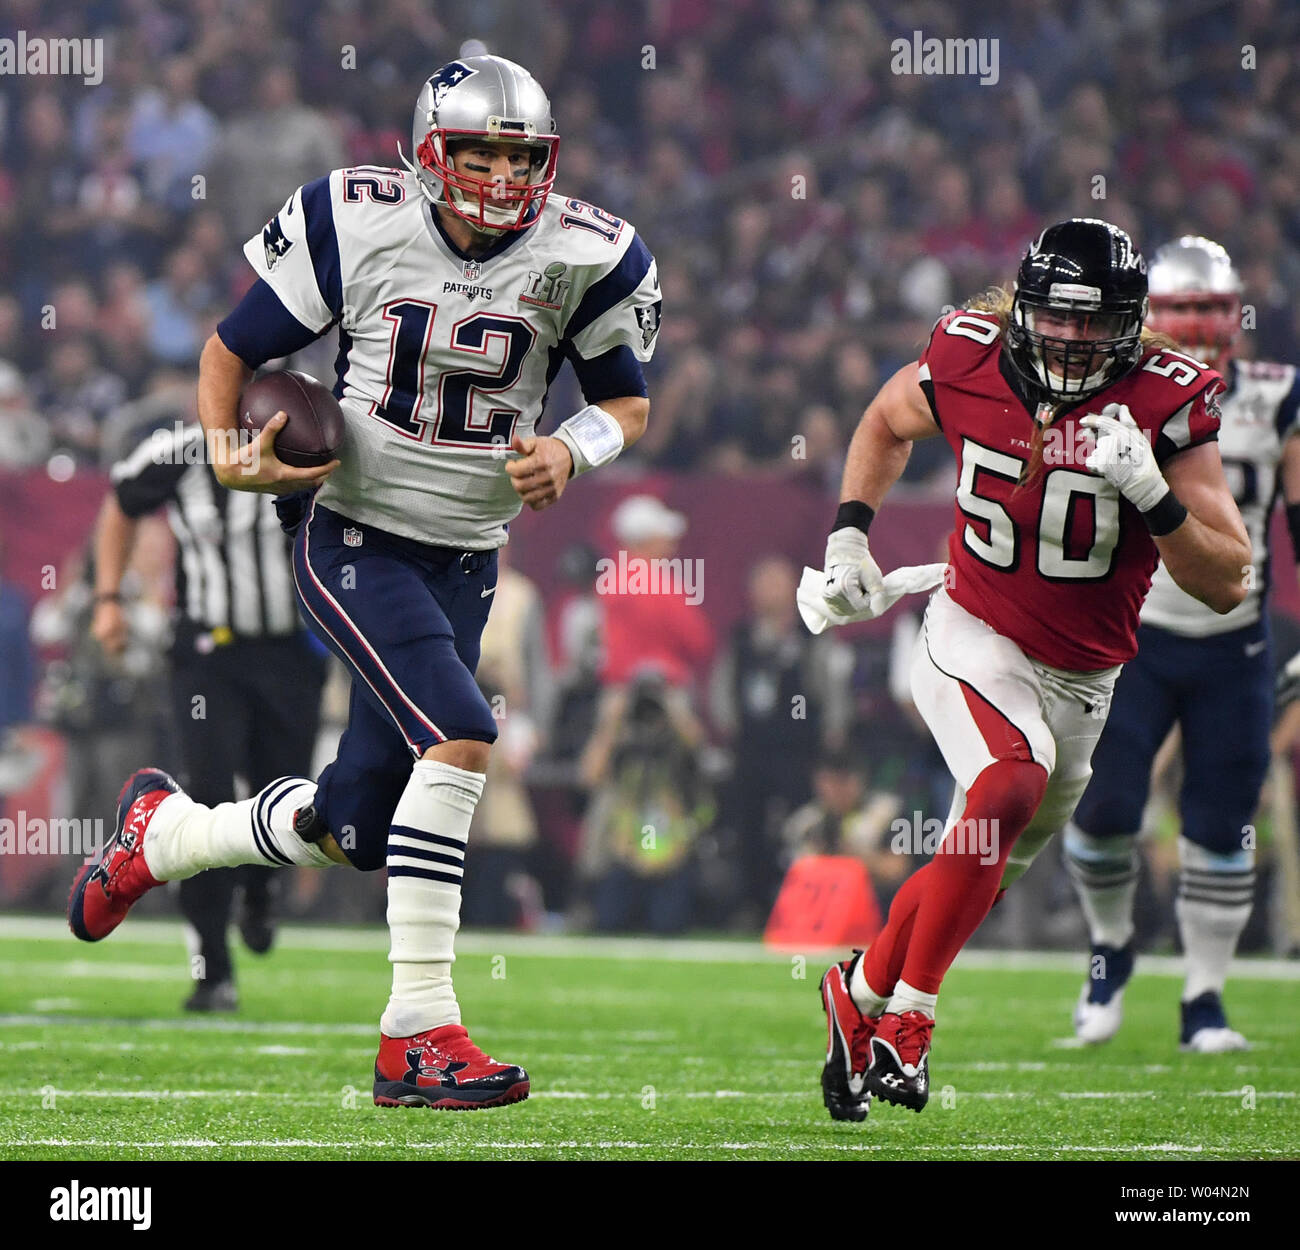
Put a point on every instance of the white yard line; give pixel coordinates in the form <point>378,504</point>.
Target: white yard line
<point>312,1028</point>
<point>309,1028</point>
<point>675,950</point>
<point>580,1095</point>
<point>663,1149</point>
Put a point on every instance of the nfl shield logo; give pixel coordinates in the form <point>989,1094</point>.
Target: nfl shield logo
<point>471,270</point>
<point>351,537</point>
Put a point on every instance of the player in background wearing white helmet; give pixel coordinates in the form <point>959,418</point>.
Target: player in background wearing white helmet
<point>1210,674</point>
<point>459,287</point>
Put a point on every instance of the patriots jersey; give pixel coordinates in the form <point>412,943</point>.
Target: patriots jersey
<point>444,358</point>
<point>1059,562</point>
<point>1259,415</point>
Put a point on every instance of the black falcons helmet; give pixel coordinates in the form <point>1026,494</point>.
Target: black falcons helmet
<point>1088,272</point>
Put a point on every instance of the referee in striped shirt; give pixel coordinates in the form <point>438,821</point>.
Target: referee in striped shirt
<point>246,678</point>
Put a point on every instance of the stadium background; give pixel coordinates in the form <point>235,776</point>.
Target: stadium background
<point>811,212</point>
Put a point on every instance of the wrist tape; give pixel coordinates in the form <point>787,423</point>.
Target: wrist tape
<point>593,438</point>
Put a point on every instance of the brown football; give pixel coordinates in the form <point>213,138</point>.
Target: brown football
<point>314,431</point>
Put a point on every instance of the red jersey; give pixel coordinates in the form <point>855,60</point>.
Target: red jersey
<point>654,631</point>
<point>1061,565</point>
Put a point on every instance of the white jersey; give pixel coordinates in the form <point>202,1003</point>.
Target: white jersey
<point>444,358</point>
<point>1259,415</point>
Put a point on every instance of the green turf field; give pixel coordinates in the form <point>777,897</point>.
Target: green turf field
<point>636,1050</point>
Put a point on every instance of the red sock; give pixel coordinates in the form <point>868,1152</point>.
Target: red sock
<point>883,963</point>
<point>959,889</point>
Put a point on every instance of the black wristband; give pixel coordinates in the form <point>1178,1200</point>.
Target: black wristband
<point>1166,516</point>
<point>108,596</point>
<point>1293,524</point>
<point>308,825</point>
<point>854,513</point>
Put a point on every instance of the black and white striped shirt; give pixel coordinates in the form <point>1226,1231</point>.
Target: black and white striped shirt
<point>234,566</point>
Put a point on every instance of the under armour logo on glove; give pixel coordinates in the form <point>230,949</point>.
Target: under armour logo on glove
<point>1123,456</point>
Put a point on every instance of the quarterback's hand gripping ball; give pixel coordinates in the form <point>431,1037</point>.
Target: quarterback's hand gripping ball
<point>298,426</point>
<point>1123,456</point>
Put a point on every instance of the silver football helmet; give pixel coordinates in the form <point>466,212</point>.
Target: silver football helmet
<point>484,98</point>
<point>1196,297</point>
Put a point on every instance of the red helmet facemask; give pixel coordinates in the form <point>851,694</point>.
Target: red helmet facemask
<point>1205,323</point>
<point>510,207</point>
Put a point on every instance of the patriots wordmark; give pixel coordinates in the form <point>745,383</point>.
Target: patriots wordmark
<point>82,58</point>
<point>920,55</point>
<point>468,290</point>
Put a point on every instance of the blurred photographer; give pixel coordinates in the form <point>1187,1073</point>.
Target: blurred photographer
<point>649,806</point>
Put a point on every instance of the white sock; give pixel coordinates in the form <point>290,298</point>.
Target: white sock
<point>905,998</point>
<point>1215,892</point>
<point>186,837</point>
<point>1105,875</point>
<point>426,854</point>
<point>865,999</point>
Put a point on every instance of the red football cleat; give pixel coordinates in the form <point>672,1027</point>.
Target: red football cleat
<point>900,1059</point>
<point>848,1035</point>
<point>443,1069</point>
<point>103,893</point>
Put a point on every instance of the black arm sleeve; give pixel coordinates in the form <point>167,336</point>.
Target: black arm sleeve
<point>616,373</point>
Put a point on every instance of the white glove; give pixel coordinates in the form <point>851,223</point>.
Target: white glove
<point>851,575</point>
<point>1123,456</point>
<point>817,613</point>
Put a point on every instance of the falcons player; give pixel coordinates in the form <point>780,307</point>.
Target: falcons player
<point>1084,453</point>
<point>459,287</point>
<point>1201,671</point>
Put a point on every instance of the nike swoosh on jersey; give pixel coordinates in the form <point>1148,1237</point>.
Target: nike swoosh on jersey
<point>483,594</point>
<point>1252,649</point>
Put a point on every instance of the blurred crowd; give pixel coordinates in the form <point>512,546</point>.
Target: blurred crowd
<point>812,213</point>
<point>811,210</point>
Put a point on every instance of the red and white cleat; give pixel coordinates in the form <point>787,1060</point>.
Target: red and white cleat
<point>848,1035</point>
<point>900,1059</point>
<point>103,893</point>
<point>443,1069</point>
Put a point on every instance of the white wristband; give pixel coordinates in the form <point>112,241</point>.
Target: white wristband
<point>593,438</point>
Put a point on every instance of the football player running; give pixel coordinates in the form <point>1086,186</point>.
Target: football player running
<point>1203,671</point>
<point>459,286</point>
<point>1084,451</point>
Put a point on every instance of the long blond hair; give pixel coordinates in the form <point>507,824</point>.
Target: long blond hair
<point>995,302</point>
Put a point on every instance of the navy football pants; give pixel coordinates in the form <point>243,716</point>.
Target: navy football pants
<point>406,619</point>
<point>1220,691</point>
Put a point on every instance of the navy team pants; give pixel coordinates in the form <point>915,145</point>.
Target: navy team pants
<point>1220,691</point>
<point>406,619</point>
